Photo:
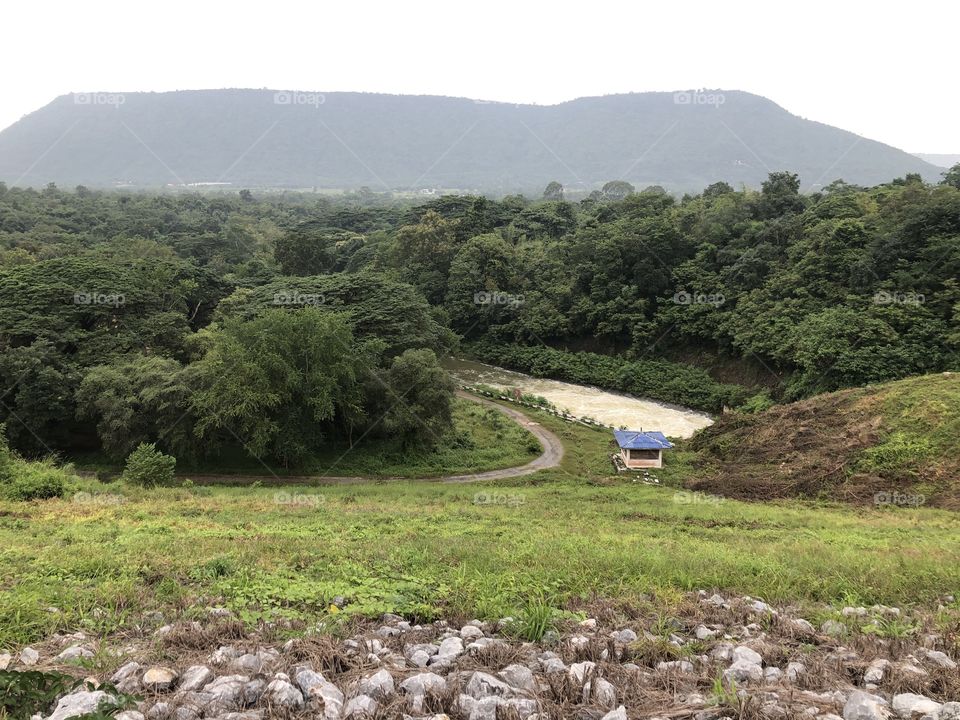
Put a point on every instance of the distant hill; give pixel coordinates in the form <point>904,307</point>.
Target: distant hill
<point>892,444</point>
<point>939,159</point>
<point>263,138</point>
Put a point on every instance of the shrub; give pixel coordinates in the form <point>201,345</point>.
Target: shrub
<point>7,458</point>
<point>148,467</point>
<point>34,481</point>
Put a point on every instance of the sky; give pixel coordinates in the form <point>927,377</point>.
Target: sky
<point>880,69</point>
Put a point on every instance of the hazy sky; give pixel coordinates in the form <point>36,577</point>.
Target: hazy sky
<point>881,69</point>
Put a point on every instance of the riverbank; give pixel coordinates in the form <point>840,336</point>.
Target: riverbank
<point>660,380</point>
<point>582,403</point>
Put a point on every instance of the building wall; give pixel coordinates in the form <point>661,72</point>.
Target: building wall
<point>642,462</point>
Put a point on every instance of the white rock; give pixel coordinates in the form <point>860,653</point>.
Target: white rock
<point>761,607</point>
<point>317,690</point>
<point>722,651</point>
<point>620,713</point>
<point>159,678</point>
<point>625,636</point>
<point>684,666</point>
<point>949,711</point>
<point>833,628</point>
<point>195,677</point>
<point>589,624</point>
<point>908,705</point>
<point>378,686</point>
<point>743,671</point>
<point>420,659</point>
<point>423,683</point>
<point>282,694</point>
<point>552,665</point>
<point>601,691</point>
<point>253,691</point>
<point>519,676</point>
<point>749,655</point>
<point>579,672</point>
<point>864,706</point>
<point>227,691</point>
<point>224,654</point>
<point>940,658</point>
<point>126,678</point>
<point>362,706</point>
<point>702,632</point>
<point>72,653</point>
<point>481,685</point>
<point>246,664</point>
<point>78,703</point>
<point>873,675</point>
<point>450,649</point>
<point>471,632</point>
<point>772,674</point>
<point>129,715</point>
<point>802,626</point>
<point>5,660</point>
<point>29,656</point>
<point>795,670</point>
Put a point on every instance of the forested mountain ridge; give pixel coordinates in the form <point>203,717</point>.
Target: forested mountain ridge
<point>266,138</point>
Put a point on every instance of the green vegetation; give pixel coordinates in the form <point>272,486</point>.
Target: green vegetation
<point>148,467</point>
<point>528,548</point>
<point>293,324</point>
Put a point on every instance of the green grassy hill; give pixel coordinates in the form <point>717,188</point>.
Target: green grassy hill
<point>897,443</point>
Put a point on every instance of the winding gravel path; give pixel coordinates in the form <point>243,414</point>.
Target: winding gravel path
<point>551,457</point>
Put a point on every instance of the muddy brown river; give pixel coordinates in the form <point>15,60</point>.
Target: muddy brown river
<point>609,408</point>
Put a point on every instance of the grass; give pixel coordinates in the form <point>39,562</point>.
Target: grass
<point>429,549</point>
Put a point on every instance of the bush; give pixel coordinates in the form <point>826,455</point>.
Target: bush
<point>148,467</point>
<point>21,480</point>
<point>34,481</point>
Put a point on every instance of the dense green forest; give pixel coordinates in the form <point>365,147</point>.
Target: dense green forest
<point>280,322</point>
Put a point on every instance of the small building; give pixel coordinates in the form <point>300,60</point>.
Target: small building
<point>642,448</point>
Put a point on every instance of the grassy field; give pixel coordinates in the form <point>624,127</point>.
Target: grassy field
<point>553,539</point>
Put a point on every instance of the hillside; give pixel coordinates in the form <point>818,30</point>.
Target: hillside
<point>943,160</point>
<point>891,444</point>
<point>261,138</point>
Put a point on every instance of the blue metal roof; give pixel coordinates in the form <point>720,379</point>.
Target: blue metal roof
<point>642,440</point>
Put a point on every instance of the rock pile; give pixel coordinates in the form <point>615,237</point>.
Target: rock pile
<point>718,658</point>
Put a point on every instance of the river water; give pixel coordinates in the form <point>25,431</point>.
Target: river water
<point>586,401</point>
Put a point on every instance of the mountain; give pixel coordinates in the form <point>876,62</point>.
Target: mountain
<point>943,160</point>
<point>890,444</point>
<point>264,138</point>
